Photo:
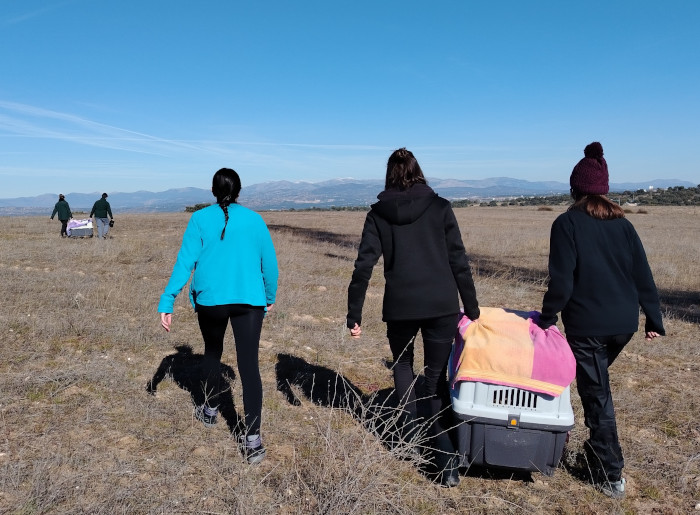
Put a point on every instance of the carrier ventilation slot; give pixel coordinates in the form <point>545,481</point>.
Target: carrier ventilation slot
<point>514,398</point>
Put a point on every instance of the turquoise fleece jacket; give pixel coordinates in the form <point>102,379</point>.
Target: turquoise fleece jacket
<point>240,269</point>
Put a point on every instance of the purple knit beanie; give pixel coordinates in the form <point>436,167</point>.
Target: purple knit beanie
<point>590,175</point>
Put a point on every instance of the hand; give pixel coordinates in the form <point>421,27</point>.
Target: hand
<point>270,306</point>
<point>650,335</point>
<point>165,320</point>
<point>356,331</point>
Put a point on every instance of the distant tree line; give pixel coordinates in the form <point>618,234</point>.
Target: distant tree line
<point>196,207</point>
<point>673,196</point>
<point>331,208</point>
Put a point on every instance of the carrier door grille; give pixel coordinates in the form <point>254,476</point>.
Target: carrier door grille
<point>514,398</point>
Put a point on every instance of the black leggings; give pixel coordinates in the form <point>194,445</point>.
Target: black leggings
<point>438,334</point>
<point>246,322</point>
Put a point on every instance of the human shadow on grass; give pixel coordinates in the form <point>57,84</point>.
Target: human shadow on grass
<point>378,412</point>
<point>349,241</point>
<point>325,387</point>
<point>583,464</point>
<point>184,368</point>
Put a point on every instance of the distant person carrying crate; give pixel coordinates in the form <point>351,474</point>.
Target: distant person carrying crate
<point>101,210</point>
<point>598,278</point>
<point>64,213</point>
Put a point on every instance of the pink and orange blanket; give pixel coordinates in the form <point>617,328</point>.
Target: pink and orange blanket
<point>505,348</point>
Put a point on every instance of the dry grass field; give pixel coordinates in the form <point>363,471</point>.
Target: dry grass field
<point>81,339</point>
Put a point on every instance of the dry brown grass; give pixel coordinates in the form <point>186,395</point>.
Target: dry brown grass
<point>80,339</point>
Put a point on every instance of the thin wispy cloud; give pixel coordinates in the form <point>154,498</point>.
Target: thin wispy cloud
<point>14,19</point>
<point>21,120</point>
<point>26,121</point>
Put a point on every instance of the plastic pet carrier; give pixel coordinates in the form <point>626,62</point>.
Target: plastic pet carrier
<point>511,428</point>
<point>79,228</point>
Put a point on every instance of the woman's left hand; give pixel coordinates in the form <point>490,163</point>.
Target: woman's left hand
<point>355,331</point>
<point>165,320</point>
<point>650,335</point>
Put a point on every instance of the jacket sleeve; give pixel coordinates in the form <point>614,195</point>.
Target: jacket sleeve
<point>562,263</point>
<point>459,263</point>
<point>367,256</point>
<point>92,211</point>
<point>269,267</point>
<point>646,288</point>
<point>184,264</point>
<point>55,209</point>
<point>109,210</point>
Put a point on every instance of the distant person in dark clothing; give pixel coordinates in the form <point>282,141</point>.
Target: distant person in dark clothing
<point>426,270</point>
<point>64,214</point>
<point>598,278</point>
<point>101,210</point>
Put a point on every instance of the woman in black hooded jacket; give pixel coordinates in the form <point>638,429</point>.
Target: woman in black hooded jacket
<point>426,272</point>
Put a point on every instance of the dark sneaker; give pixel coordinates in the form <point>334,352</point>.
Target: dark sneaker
<point>253,449</point>
<point>255,455</point>
<point>206,415</point>
<point>614,489</point>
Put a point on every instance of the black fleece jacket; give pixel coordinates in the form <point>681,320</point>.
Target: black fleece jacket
<point>598,278</point>
<point>425,264</point>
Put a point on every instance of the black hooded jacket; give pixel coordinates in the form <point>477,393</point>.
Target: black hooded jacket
<point>426,269</point>
<point>598,277</point>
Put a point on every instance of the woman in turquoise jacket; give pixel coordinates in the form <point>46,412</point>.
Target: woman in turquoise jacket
<point>235,280</point>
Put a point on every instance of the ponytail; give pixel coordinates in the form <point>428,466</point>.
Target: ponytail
<point>224,207</point>
<point>226,185</point>
<point>403,171</point>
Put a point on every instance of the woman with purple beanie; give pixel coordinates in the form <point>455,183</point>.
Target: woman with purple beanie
<point>598,278</point>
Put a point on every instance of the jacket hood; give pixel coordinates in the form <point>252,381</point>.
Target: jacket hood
<point>403,207</point>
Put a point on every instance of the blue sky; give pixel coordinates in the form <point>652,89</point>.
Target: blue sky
<point>150,95</point>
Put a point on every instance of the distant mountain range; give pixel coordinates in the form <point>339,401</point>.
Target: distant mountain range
<point>284,195</point>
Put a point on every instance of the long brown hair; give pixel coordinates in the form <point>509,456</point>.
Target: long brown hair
<point>597,206</point>
<point>403,171</point>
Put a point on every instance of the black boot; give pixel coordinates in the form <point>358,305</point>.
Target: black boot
<point>448,476</point>
<point>444,456</point>
<point>410,436</point>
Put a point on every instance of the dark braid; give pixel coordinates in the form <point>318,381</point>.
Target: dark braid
<point>226,185</point>
<point>224,205</point>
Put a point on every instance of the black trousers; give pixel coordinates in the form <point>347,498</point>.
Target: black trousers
<point>438,334</point>
<point>593,357</point>
<point>64,227</point>
<point>246,322</point>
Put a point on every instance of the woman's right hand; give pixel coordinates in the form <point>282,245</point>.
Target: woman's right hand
<point>356,331</point>
<point>165,320</point>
